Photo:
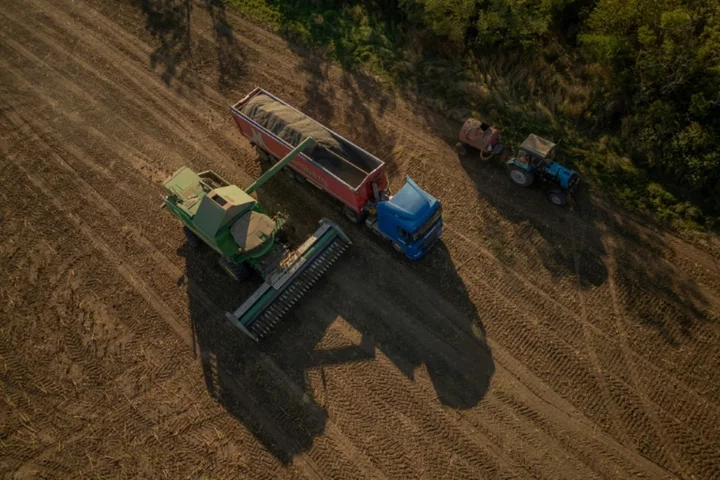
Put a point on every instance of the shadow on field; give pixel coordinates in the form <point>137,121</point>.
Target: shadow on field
<point>367,303</point>
<point>169,22</point>
<point>320,100</point>
<point>656,292</point>
<point>239,373</point>
<point>572,243</point>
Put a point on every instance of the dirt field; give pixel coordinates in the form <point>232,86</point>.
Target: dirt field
<point>534,342</point>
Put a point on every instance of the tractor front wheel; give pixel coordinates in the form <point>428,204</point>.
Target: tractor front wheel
<point>461,149</point>
<point>192,239</point>
<point>521,177</point>
<point>238,271</point>
<point>558,198</point>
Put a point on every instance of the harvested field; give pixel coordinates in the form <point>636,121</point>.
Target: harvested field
<point>533,342</point>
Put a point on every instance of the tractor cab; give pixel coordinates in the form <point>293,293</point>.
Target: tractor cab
<point>536,152</point>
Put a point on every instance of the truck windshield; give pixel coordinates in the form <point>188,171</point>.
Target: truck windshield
<point>420,232</point>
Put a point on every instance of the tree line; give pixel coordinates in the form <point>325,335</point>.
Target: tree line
<point>656,79</point>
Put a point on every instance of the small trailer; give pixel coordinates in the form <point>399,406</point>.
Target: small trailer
<point>411,220</point>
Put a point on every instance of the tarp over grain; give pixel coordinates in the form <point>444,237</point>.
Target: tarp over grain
<point>345,162</point>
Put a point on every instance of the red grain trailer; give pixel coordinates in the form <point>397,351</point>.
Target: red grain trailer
<point>411,219</point>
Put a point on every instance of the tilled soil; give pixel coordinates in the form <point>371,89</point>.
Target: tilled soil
<point>532,341</point>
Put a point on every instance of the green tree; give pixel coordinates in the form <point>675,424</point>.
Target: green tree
<point>662,63</point>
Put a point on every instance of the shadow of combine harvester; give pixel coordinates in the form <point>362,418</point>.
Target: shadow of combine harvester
<point>266,386</point>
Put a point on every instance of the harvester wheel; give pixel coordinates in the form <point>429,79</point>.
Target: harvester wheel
<point>521,177</point>
<point>282,236</point>
<point>290,173</point>
<point>461,149</point>
<point>238,271</point>
<point>192,239</point>
<point>558,198</point>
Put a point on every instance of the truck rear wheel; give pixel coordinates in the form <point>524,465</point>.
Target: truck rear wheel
<point>521,177</point>
<point>238,271</point>
<point>290,173</point>
<point>353,216</point>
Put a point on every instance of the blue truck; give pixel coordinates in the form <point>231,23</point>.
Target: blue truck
<point>411,220</point>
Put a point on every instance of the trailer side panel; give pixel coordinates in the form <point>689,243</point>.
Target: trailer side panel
<point>336,165</point>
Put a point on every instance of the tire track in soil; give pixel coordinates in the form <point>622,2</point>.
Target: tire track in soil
<point>175,273</point>
<point>375,475</point>
<point>572,315</point>
<point>596,367</point>
<point>165,312</point>
<point>99,199</point>
<point>635,382</point>
<point>248,39</point>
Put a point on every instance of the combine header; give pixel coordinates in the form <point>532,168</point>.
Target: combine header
<point>232,223</point>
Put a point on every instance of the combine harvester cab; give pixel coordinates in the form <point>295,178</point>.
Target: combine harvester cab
<point>411,220</point>
<point>232,223</point>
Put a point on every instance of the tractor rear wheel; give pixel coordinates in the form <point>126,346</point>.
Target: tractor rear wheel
<point>461,149</point>
<point>558,198</point>
<point>238,271</point>
<point>192,239</point>
<point>521,177</point>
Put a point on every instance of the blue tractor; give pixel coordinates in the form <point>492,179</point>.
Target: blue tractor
<point>534,161</point>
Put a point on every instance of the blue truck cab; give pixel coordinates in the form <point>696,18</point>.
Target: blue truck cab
<point>411,220</point>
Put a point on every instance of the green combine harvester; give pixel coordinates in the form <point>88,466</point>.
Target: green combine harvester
<point>233,224</point>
